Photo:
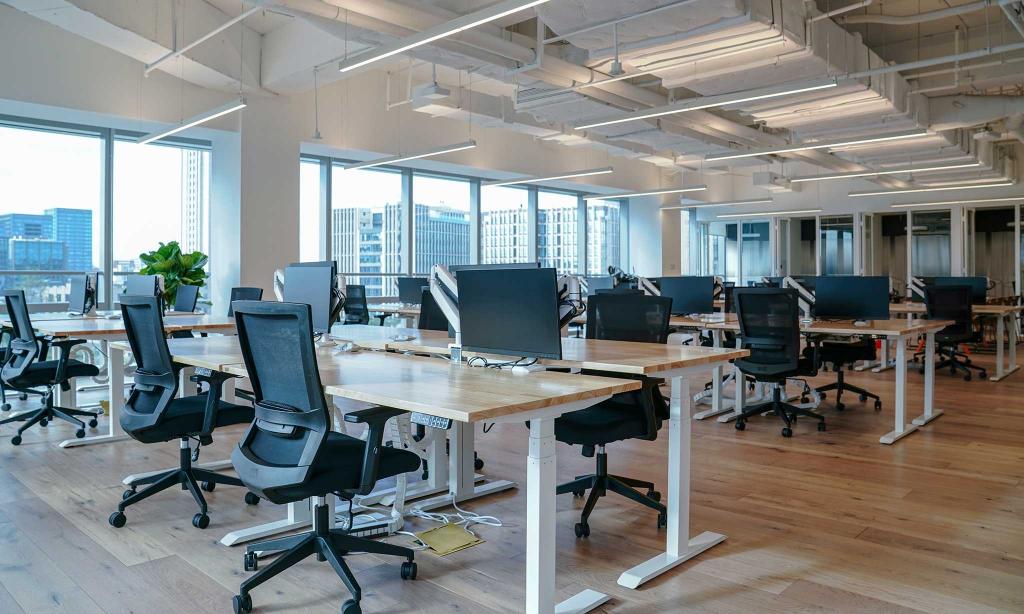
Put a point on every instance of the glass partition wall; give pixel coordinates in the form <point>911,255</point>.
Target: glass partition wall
<point>836,253</point>
<point>992,248</point>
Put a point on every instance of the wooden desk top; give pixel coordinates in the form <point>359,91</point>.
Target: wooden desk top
<point>395,308</point>
<point>905,308</point>
<point>899,327</point>
<point>98,327</point>
<point>380,337</point>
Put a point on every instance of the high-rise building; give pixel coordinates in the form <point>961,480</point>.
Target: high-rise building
<point>604,227</point>
<point>557,236</point>
<point>73,227</point>
<point>192,195</point>
<point>35,254</point>
<point>503,235</point>
<point>368,240</point>
<point>25,225</point>
<point>441,235</point>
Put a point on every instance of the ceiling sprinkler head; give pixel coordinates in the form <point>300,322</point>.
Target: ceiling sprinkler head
<point>616,69</point>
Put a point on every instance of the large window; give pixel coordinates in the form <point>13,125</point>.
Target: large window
<point>930,246</point>
<point>837,245</point>
<point>51,196</point>
<point>161,194</point>
<point>756,257</point>
<point>604,235</point>
<point>310,211</point>
<point>558,231</point>
<point>366,226</point>
<point>441,217</point>
<point>504,225</point>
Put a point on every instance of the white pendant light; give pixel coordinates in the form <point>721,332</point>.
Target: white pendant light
<point>967,186</point>
<point>584,173</point>
<point>413,156</point>
<point>202,118</point>
<point>821,145</point>
<point>889,171</point>
<point>1008,199</point>
<point>726,203</point>
<point>768,213</point>
<point>682,190</point>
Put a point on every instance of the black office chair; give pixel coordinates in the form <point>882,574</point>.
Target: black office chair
<point>186,298</point>
<point>631,415</point>
<point>356,310</point>
<point>26,370</point>
<point>769,320</point>
<point>242,293</point>
<point>953,303</point>
<point>839,356</point>
<point>290,454</point>
<point>154,414</point>
<point>431,316</point>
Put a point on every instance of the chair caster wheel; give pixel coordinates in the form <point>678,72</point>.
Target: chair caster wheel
<point>241,605</point>
<point>208,486</point>
<point>117,520</point>
<point>654,495</point>
<point>478,464</point>
<point>80,433</point>
<point>131,491</point>
<point>662,521</point>
<point>43,422</point>
<point>351,607</point>
<point>921,370</point>
<point>821,427</point>
<point>5,407</point>
<point>23,396</point>
<point>787,432</point>
<point>251,498</point>
<point>409,570</point>
<point>863,398</point>
<point>804,399</point>
<point>582,530</point>
<point>93,423</point>
<point>967,377</point>
<point>983,375</point>
<point>250,561</point>
<point>579,493</point>
<point>425,475</point>
<point>878,405</point>
<point>16,440</point>
<point>200,521</point>
<point>840,407</point>
<point>740,425</point>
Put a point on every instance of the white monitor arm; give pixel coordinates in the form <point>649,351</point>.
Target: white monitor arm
<point>916,286</point>
<point>570,299</point>
<point>805,296</point>
<point>648,286</point>
<point>279,284</point>
<point>445,292</point>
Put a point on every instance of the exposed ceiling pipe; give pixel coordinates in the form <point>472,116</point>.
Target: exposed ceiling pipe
<point>618,20</point>
<point>902,20</point>
<point>841,10</point>
<point>1015,127</point>
<point>952,112</point>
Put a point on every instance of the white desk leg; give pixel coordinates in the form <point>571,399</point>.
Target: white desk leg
<point>678,547</point>
<point>540,517</point>
<point>902,428</point>
<point>885,363</point>
<point>69,398</point>
<point>741,396</point>
<point>1002,323</point>
<point>299,516</point>
<point>461,474</point>
<point>930,413</point>
<point>115,386</point>
<point>716,385</point>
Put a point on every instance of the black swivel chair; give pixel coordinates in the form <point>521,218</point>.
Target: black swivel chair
<point>953,303</point>
<point>356,309</point>
<point>26,369</point>
<point>631,415</point>
<point>839,356</point>
<point>186,298</point>
<point>242,293</point>
<point>290,454</point>
<point>431,316</point>
<point>154,414</point>
<point>769,320</point>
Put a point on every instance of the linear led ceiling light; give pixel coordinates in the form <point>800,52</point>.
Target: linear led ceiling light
<point>413,156</point>
<point>890,171</point>
<point>727,203</point>
<point>1010,199</point>
<point>822,145</point>
<point>706,102</point>
<point>586,173</point>
<point>443,30</point>
<point>202,118</point>
<point>971,186</point>
<point>763,213</point>
<point>682,190</point>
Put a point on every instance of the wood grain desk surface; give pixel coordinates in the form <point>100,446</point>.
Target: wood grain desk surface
<point>905,308</point>
<point>897,327</point>
<point>85,327</point>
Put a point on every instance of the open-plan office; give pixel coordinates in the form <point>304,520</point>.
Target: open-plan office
<point>543,306</point>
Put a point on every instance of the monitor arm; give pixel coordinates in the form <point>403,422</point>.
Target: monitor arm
<point>648,287</point>
<point>339,294</point>
<point>570,299</point>
<point>805,296</point>
<point>445,293</point>
<point>279,284</point>
<point>916,286</point>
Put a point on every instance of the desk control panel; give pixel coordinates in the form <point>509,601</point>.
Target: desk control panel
<point>434,422</point>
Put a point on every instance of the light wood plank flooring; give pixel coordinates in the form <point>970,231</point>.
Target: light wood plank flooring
<point>821,522</point>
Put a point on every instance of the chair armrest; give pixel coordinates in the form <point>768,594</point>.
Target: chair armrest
<point>64,345</point>
<point>215,380</point>
<point>375,419</point>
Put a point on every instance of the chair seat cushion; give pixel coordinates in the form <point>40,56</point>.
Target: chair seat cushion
<point>40,373</point>
<point>339,467</point>
<point>184,416</point>
<point>612,420</point>
<point>845,353</point>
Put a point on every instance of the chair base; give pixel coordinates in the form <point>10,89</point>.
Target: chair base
<point>840,386</point>
<point>957,362</point>
<point>788,413</point>
<point>49,412</point>
<point>188,478</point>
<point>327,544</point>
<point>601,482</point>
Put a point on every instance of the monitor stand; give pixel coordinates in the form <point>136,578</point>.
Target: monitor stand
<point>862,322</point>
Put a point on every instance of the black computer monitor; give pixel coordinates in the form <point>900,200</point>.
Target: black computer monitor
<point>852,297</point>
<point>142,285</point>
<point>82,298</point>
<point>512,312</point>
<point>689,294</point>
<point>314,286</point>
<point>978,285</point>
<point>596,284</point>
<point>455,268</point>
<point>410,289</point>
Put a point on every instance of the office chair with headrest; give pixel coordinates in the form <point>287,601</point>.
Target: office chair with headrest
<point>631,415</point>
<point>154,414</point>
<point>290,454</point>
<point>356,309</point>
<point>25,369</point>
<point>243,293</point>
<point>953,303</point>
<point>769,320</point>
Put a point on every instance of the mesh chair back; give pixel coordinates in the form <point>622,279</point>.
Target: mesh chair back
<point>156,380</point>
<point>431,316</point>
<point>769,320</point>
<point>186,298</point>
<point>628,317</point>
<point>292,418</point>
<point>950,303</point>
<point>729,293</point>
<point>242,293</point>
<point>356,310</point>
<point>23,349</point>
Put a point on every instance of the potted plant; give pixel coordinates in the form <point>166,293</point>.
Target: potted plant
<point>178,268</point>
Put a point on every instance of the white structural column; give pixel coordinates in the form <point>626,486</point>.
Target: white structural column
<point>902,428</point>
<point>930,413</point>
<point>678,545</point>
<point>115,386</point>
<point>540,517</point>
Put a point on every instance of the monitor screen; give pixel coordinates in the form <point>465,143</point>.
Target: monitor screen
<point>312,285</point>
<point>595,284</point>
<point>455,268</point>
<point>852,297</point>
<point>689,294</point>
<point>83,294</point>
<point>141,285</point>
<point>978,285</point>
<point>410,289</point>
<point>511,312</point>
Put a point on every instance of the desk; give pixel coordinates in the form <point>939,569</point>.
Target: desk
<point>898,329</point>
<point>411,313</point>
<point>1006,331</point>
<point>106,330</point>
<point>675,362</point>
<point>470,395</point>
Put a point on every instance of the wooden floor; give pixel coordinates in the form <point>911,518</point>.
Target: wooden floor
<point>823,521</point>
